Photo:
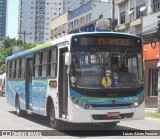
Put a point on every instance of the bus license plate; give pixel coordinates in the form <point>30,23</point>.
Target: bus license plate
<point>113,114</point>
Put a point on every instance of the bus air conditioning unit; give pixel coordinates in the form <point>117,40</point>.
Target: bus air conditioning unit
<point>103,24</point>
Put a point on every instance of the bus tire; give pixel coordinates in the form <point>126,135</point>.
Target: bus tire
<point>52,119</point>
<point>19,112</point>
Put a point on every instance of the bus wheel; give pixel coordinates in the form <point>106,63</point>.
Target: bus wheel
<point>19,112</point>
<point>53,121</point>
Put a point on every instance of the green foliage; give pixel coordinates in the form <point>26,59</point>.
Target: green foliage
<point>29,46</point>
<point>152,115</point>
<point>2,68</point>
<point>7,42</point>
<point>6,50</point>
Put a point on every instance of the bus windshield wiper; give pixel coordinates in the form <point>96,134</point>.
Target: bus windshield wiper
<point>93,51</point>
<point>123,58</point>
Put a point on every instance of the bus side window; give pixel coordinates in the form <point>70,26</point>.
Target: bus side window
<point>40,64</point>
<point>23,68</point>
<point>44,64</point>
<point>13,69</point>
<point>52,65</point>
<point>20,68</point>
<point>36,64</point>
<point>8,69</point>
<point>34,58</point>
<point>17,69</point>
<point>49,63</point>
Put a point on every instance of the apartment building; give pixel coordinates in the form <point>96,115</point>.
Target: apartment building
<point>82,19</point>
<point>140,17</point>
<point>3,18</point>
<point>35,17</point>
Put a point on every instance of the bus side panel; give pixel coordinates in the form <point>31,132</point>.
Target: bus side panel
<point>13,88</point>
<point>39,96</point>
<point>53,93</point>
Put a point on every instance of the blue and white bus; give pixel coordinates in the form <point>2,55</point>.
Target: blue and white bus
<point>94,77</point>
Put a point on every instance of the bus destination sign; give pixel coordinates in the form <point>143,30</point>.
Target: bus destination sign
<point>104,41</point>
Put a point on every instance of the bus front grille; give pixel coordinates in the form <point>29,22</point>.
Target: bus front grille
<point>104,94</point>
<point>111,105</point>
<point>105,117</point>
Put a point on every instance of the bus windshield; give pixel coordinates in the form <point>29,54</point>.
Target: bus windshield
<point>94,68</point>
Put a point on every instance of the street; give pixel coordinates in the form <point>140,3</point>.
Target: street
<point>10,121</point>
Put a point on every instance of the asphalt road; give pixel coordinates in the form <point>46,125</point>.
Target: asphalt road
<point>9,121</point>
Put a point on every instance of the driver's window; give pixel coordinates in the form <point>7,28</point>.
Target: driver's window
<point>132,65</point>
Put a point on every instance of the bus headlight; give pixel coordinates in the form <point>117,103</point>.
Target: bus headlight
<point>140,101</point>
<point>80,103</point>
<point>135,104</point>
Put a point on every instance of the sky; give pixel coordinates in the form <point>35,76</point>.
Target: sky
<point>12,29</point>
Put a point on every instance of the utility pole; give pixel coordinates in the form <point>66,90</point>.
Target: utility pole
<point>24,37</point>
<point>113,12</point>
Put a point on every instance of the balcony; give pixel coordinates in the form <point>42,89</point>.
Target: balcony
<point>136,22</point>
<point>117,2</point>
<point>122,26</point>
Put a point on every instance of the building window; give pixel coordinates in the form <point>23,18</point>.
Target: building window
<point>88,18</point>
<point>82,20</point>
<point>153,74</point>
<point>138,12</point>
<point>122,17</point>
<point>70,26</point>
<point>156,6</point>
<point>76,23</point>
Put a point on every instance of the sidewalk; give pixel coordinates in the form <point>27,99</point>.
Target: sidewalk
<point>151,109</point>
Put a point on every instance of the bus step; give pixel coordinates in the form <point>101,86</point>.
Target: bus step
<point>63,119</point>
<point>29,112</point>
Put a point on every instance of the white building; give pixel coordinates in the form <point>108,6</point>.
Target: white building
<point>84,18</point>
<point>35,17</point>
<point>140,17</point>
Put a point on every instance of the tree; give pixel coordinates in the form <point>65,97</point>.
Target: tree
<point>7,42</point>
<point>6,50</point>
<point>29,46</point>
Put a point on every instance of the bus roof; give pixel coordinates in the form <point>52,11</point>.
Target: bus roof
<point>61,40</point>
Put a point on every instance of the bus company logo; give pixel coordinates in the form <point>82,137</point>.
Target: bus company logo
<point>6,133</point>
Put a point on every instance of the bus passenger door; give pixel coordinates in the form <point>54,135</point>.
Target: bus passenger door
<point>63,85</point>
<point>28,84</point>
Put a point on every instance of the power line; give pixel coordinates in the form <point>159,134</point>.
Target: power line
<point>24,33</point>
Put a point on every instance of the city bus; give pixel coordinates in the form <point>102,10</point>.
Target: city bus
<point>93,77</point>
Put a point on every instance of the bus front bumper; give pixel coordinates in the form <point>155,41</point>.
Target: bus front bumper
<point>77,114</point>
